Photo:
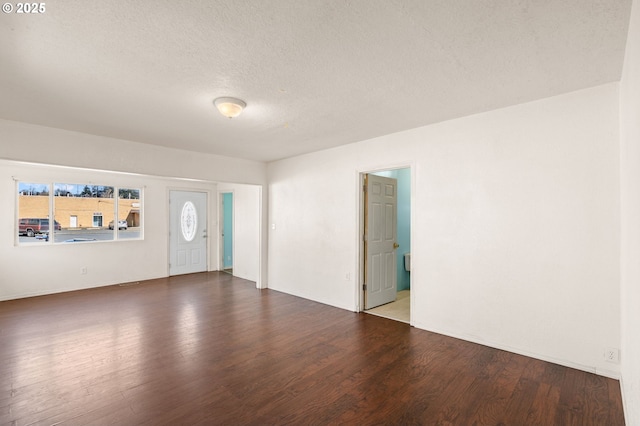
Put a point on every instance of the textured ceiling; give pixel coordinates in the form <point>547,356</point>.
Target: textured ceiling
<point>315,74</point>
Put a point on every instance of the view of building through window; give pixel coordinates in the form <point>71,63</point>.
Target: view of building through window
<point>81,212</point>
<point>128,213</point>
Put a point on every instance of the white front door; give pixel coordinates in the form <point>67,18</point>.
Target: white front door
<point>381,220</point>
<point>188,228</point>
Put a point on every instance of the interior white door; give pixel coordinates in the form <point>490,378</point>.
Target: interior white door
<point>381,220</point>
<point>188,229</point>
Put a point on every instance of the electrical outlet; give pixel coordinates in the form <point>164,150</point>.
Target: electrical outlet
<point>612,355</point>
<point>83,270</point>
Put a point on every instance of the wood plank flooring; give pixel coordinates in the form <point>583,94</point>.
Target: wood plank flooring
<point>212,349</point>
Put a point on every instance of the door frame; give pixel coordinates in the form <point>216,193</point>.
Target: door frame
<point>221,193</point>
<point>207,194</point>
<point>360,270</point>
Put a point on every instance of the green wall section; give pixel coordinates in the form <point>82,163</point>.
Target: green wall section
<point>404,224</point>
<point>403,176</point>
<point>227,226</point>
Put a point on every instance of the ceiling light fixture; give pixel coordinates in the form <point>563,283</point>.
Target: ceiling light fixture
<point>230,107</point>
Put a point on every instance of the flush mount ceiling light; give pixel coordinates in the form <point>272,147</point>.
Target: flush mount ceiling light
<point>229,107</point>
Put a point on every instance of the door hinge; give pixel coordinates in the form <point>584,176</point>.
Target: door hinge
<point>364,287</point>
<point>364,188</point>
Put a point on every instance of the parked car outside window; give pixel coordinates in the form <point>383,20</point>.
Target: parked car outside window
<point>122,224</point>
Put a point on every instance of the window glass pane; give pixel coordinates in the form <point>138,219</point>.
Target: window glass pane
<point>129,214</point>
<point>97,219</point>
<point>83,211</point>
<point>33,212</point>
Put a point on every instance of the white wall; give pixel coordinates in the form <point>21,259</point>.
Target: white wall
<point>246,229</point>
<point>26,271</point>
<point>515,226</point>
<point>312,226</point>
<point>630,203</point>
<point>26,142</point>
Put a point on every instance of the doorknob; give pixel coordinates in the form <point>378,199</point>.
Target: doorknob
<point>396,245</point>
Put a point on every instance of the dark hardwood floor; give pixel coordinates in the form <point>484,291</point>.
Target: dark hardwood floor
<point>211,349</point>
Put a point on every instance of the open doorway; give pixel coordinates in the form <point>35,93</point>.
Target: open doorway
<point>226,207</point>
<point>385,215</point>
<point>243,216</point>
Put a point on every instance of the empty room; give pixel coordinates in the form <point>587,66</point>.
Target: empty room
<point>206,206</point>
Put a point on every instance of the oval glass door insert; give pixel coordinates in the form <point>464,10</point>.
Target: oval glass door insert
<point>189,221</point>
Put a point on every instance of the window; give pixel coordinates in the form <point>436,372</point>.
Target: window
<point>128,213</point>
<point>97,220</point>
<point>81,213</point>
<point>33,212</point>
<point>91,205</point>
